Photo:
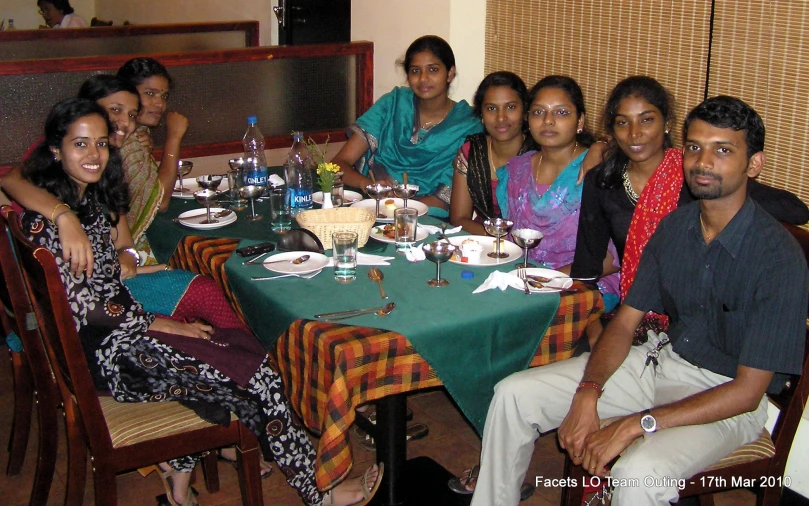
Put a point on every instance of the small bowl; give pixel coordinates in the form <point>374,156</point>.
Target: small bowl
<point>209,182</point>
<point>251,191</point>
<point>438,252</point>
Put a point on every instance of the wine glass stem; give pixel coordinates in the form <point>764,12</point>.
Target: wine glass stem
<point>208,210</point>
<point>438,272</point>
<point>180,184</point>
<point>405,202</point>
<point>377,208</point>
<point>497,247</point>
<point>525,256</point>
<point>253,207</point>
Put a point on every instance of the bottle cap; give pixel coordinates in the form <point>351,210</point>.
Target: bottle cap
<point>467,274</point>
<point>252,120</point>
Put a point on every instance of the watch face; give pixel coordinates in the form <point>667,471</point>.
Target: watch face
<point>648,423</point>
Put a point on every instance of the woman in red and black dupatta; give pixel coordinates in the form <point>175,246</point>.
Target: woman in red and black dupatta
<point>640,181</point>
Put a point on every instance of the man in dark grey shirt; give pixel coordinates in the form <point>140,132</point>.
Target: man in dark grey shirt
<point>735,286</point>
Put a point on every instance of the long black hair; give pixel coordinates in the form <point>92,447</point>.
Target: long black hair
<point>573,90</point>
<point>61,5</point>
<point>609,172</point>
<point>103,85</point>
<point>501,78</point>
<point>434,44</point>
<point>43,170</point>
<point>137,70</point>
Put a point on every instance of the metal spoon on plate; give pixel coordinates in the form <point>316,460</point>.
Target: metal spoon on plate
<point>301,259</point>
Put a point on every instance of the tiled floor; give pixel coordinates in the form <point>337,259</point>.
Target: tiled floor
<point>451,442</point>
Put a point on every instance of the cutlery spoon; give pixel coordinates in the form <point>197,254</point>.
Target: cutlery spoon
<point>308,275</point>
<point>342,315</point>
<point>376,276</point>
<point>301,259</point>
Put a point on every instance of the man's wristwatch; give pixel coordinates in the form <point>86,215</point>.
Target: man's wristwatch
<point>647,422</point>
<point>134,253</point>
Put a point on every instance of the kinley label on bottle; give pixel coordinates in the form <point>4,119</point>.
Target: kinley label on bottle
<point>256,178</point>
<point>300,199</point>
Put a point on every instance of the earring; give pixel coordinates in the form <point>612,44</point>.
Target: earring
<point>56,158</point>
<point>579,131</point>
<point>667,131</point>
<point>482,122</point>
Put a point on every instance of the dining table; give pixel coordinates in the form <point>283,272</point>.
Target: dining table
<point>435,337</point>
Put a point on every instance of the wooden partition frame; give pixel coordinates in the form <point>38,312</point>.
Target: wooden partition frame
<point>250,28</point>
<point>363,51</point>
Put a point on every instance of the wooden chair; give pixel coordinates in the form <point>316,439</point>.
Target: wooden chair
<point>119,436</point>
<point>31,375</point>
<point>761,462</point>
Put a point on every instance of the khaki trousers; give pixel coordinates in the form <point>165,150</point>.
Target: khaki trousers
<point>529,403</point>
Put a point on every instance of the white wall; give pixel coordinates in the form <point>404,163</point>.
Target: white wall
<point>141,12</point>
<point>26,16</point>
<point>393,24</point>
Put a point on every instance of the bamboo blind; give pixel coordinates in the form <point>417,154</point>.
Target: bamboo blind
<point>760,50</point>
<point>600,42</point>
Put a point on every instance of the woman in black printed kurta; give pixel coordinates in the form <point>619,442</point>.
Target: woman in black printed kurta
<point>139,356</point>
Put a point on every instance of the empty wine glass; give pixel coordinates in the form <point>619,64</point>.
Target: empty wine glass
<point>526,238</point>
<point>405,191</point>
<point>438,253</point>
<point>252,192</point>
<point>183,169</point>
<point>378,191</point>
<point>499,228</point>
<point>206,198</point>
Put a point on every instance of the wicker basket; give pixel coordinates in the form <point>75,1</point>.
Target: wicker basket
<point>324,222</point>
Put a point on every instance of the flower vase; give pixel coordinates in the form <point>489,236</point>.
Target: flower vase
<point>327,204</point>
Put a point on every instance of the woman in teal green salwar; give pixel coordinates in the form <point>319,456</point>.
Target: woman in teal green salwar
<point>417,129</point>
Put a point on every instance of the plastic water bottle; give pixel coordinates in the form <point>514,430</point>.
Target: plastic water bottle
<point>298,175</point>
<point>255,165</point>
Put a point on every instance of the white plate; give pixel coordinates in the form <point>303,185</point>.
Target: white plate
<point>316,262</point>
<point>349,196</point>
<point>514,251</point>
<point>377,234</point>
<point>552,286</point>
<point>193,218</point>
<point>191,186</point>
<point>370,204</point>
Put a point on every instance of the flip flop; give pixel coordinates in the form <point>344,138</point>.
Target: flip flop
<point>367,492</point>
<point>167,499</point>
<point>458,483</point>
<point>235,463</point>
<point>414,431</point>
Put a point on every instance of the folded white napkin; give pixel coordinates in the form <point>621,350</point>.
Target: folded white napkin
<point>434,230</point>
<point>414,253</point>
<point>276,180</point>
<point>500,280</point>
<point>367,259</point>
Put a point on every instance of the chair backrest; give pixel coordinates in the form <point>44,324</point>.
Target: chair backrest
<point>49,300</point>
<point>18,315</point>
<point>793,398</point>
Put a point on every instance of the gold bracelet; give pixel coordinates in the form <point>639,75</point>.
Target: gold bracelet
<point>53,213</point>
<point>171,155</point>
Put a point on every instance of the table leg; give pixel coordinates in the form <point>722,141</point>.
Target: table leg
<point>391,449</point>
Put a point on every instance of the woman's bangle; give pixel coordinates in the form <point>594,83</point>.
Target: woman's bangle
<point>53,213</point>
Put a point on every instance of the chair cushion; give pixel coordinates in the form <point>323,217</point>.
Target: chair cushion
<point>761,448</point>
<point>134,422</point>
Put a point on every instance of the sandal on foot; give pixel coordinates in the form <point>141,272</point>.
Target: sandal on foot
<point>414,431</point>
<point>167,499</point>
<point>458,483</point>
<point>526,491</point>
<point>367,492</point>
<point>265,472</point>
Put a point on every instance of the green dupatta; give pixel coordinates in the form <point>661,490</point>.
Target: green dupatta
<point>145,189</point>
<point>397,144</point>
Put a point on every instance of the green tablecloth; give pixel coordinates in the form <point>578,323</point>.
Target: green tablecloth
<point>471,341</point>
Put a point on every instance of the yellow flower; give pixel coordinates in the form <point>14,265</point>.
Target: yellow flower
<point>324,168</point>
